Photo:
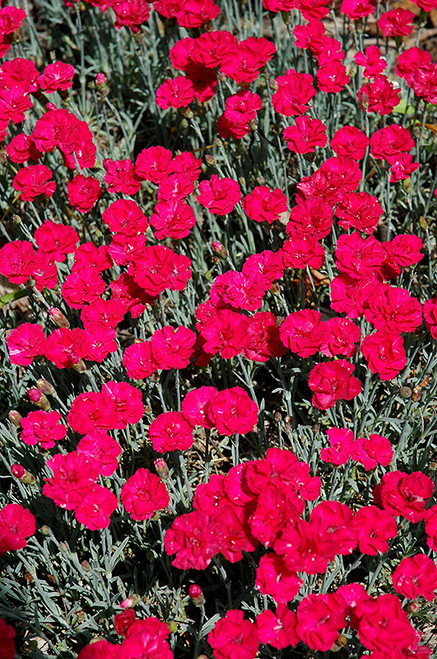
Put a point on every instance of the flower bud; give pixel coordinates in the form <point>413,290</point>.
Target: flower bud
<point>162,469</point>
<point>45,530</point>
<point>58,317</point>
<point>45,387</point>
<point>22,474</point>
<point>339,644</point>
<point>405,392</point>
<point>39,399</point>
<point>130,602</point>
<point>219,249</point>
<point>101,80</point>
<point>210,160</point>
<point>80,366</point>
<point>275,289</point>
<point>15,418</point>
<point>173,625</point>
<point>187,113</point>
<point>196,594</point>
<point>411,607</point>
<point>17,470</point>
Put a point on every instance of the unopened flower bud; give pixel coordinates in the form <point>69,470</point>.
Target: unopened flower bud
<point>22,474</point>
<point>187,113</point>
<point>130,602</point>
<point>45,530</point>
<point>423,223</point>
<point>275,288</point>
<point>39,399</point>
<point>364,100</point>
<point>210,160</point>
<point>15,418</point>
<point>196,594</point>
<point>273,84</point>
<point>219,249</point>
<point>58,317</point>
<point>411,607</point>
<point>173,625</point>
<point>339,644</point>
<point>405,392</point>
<point>406,184</point>
<point>45,387</point>
<point>162,469</point>
<point>85,566</point>
<point>80,366</point>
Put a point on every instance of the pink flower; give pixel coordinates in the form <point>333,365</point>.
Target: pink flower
<point>33,181</point>
<point>305,135</point>
<point>404,494</point>
<point>277,629</point>
<point>359,210</point>
<point>56,239</point>
<point>139,361</point>
<point>294,92</point>
<point>383,625</point>
<point>42,428</point>
<point>275,579</point>
<point>416,576</point>
<point>219,195</point>
<point>319,621</point>
<point>385,353</point>
<point>121,176</point>
<point>396,22</point>
<point>172,218</point>
<point>16,524</point>
<point>7,634</point>
<point>26,342</point>
<point>96,508</point>
<point>233,411</point>
<point>175,93</point>
<point>194,539</point>
<point>102,448</point>
<point>264,204</point>
<point>56,76</point>
<point>234,636</point>
<point>153,164</point>
<point>74,476</point>
<point>144,494</point>
<point>372,61</point>
<point>379,96</point>
<point>351,142</point>
<point>21,149</point>
<point>84,192</point>
<point>17,260</point>
<point>341,441</point>
<point>332,77</point>
<point>171,432</point>
<point>195,406</point>
<point>303,332</point>
<point>332,381</point>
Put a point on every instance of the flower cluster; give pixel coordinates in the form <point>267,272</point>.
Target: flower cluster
<point>306,319</point>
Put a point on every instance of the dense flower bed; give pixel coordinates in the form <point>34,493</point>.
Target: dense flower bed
<point>218,376</point>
